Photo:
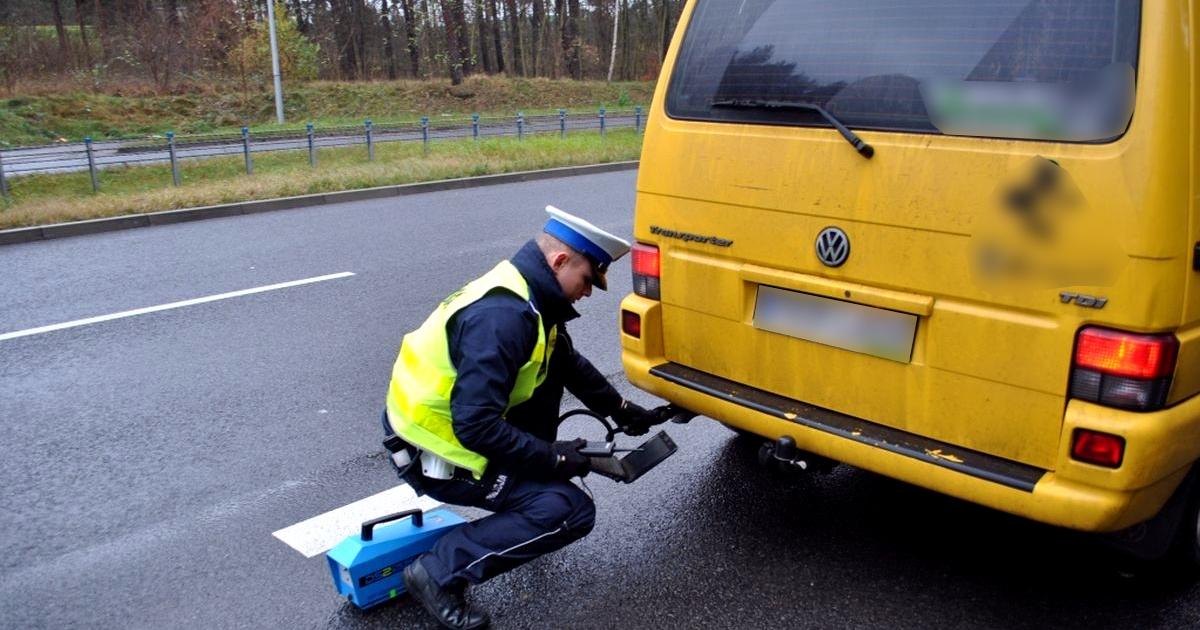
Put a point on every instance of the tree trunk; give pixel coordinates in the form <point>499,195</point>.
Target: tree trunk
<point>389,41</point>
<point>148,48</point>
<point>514,33</point>
<point>298,13</point>
<point>481,28</point>
<point>452,49</point>
<point>173,47</point>
<point>172,7</point>
<point>101,29</point>
<point>612,57</point>
<point>459,18</point>
<point>410,34</point>
<point>248,15</point>
<point>560,9</point>
<point>626,45</point>
<point>87,53</point>
<point>343,35</point>
<point>430,47</point>
<point>574,67</point>
<point>665,24</point>
<point>497,39</point>
<point>362,71</point>
<point>64,47</point>
<point>536,21</point>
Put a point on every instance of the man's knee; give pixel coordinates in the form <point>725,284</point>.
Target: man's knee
<point>583,518</point>
<point>564,505</point>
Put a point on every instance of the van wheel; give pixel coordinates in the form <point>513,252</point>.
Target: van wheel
<point>1167,545</point>
<point>1186,552</point>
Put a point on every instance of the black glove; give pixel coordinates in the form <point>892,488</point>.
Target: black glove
<point>568,461</point>
<point>632,419</point>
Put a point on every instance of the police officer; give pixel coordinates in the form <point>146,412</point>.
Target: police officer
<point>473,406</point>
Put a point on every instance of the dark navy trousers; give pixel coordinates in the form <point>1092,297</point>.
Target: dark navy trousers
<point>530,518</point>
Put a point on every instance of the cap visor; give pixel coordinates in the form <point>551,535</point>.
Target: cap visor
<point>598,279</point>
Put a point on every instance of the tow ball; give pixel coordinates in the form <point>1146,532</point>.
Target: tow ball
<point>783,456</point>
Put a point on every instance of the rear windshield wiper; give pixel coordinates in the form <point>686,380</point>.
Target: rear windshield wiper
<point>863,148</point>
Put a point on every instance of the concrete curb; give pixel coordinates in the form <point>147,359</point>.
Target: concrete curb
<point>95,226</point>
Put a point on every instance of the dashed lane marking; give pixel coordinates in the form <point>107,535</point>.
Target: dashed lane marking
<point>163,307</point>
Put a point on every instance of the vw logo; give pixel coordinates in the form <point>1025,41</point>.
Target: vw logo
<point>833,247</point>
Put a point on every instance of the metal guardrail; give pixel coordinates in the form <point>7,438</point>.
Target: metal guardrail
<point>96,155</point>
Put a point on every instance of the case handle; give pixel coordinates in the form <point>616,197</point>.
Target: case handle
<point>368,527</point>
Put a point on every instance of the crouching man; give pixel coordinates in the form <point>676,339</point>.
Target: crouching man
<point>473,407</point>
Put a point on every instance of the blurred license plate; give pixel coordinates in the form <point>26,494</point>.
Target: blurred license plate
<point>875,331</point>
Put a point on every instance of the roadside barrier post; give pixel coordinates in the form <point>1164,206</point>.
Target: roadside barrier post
<point>87,145</point>
<point>246,150</point>
<point>312,148</point>
<point>637,119</point>
<point>425,134</point>
<point>3,181</point>
<point>602,122</point>
<point>520,126</point>
<point>370,145</point>
<point>475,127</point>
<point>174,157</point>
<point>562,123</point>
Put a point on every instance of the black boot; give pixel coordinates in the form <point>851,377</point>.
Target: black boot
<point>445,604</point>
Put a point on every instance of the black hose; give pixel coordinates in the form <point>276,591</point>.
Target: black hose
<point>610,430</point>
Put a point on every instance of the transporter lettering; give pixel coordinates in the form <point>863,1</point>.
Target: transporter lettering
<point>689,237</point>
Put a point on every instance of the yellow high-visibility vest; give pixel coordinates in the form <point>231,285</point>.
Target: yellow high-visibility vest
<point>418,399</point>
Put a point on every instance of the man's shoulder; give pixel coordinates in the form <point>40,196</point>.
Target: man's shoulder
<point>499,306</point>
<point>497,320</point>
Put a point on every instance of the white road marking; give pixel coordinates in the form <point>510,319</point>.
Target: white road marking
<point>164,307</point>
<point>322,533</point>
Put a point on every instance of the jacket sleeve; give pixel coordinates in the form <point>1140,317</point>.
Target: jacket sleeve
<point>489,342</point>
<point>582,379</point>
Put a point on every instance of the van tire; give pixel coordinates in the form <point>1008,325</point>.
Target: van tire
<point>1167,545</point>
<point>1185,553</point>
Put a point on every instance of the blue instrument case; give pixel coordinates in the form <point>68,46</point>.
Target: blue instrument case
<point>367,566</point>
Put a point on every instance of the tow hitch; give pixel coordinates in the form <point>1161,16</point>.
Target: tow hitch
<point>783,456</point>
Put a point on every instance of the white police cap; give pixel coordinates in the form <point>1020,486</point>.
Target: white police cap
<point>600,247</point>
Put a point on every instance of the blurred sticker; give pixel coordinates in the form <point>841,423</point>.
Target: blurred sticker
<point>1097,107</point>
<point>1039,230</point>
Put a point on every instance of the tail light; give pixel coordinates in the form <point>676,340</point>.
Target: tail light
<point>1094,447</point>
<point>631,324</point>
<point>646,279</point>
<point>1124,370</point>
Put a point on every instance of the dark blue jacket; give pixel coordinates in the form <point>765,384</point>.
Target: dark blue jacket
<point>489,341</point>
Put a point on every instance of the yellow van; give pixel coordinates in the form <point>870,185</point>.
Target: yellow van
<point>955,243</point>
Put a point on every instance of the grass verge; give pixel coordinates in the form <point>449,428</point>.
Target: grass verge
<point>45,119</point>
<point>46,199</point>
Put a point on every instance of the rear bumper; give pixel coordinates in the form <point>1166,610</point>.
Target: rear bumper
<point>1160,446</point>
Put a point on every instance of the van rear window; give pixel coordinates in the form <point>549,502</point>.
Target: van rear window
<point>1040,69</point>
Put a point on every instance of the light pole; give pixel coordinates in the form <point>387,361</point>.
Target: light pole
<point>275,61</point>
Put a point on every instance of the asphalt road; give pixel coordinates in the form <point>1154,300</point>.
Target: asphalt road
<point>148,459</point>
